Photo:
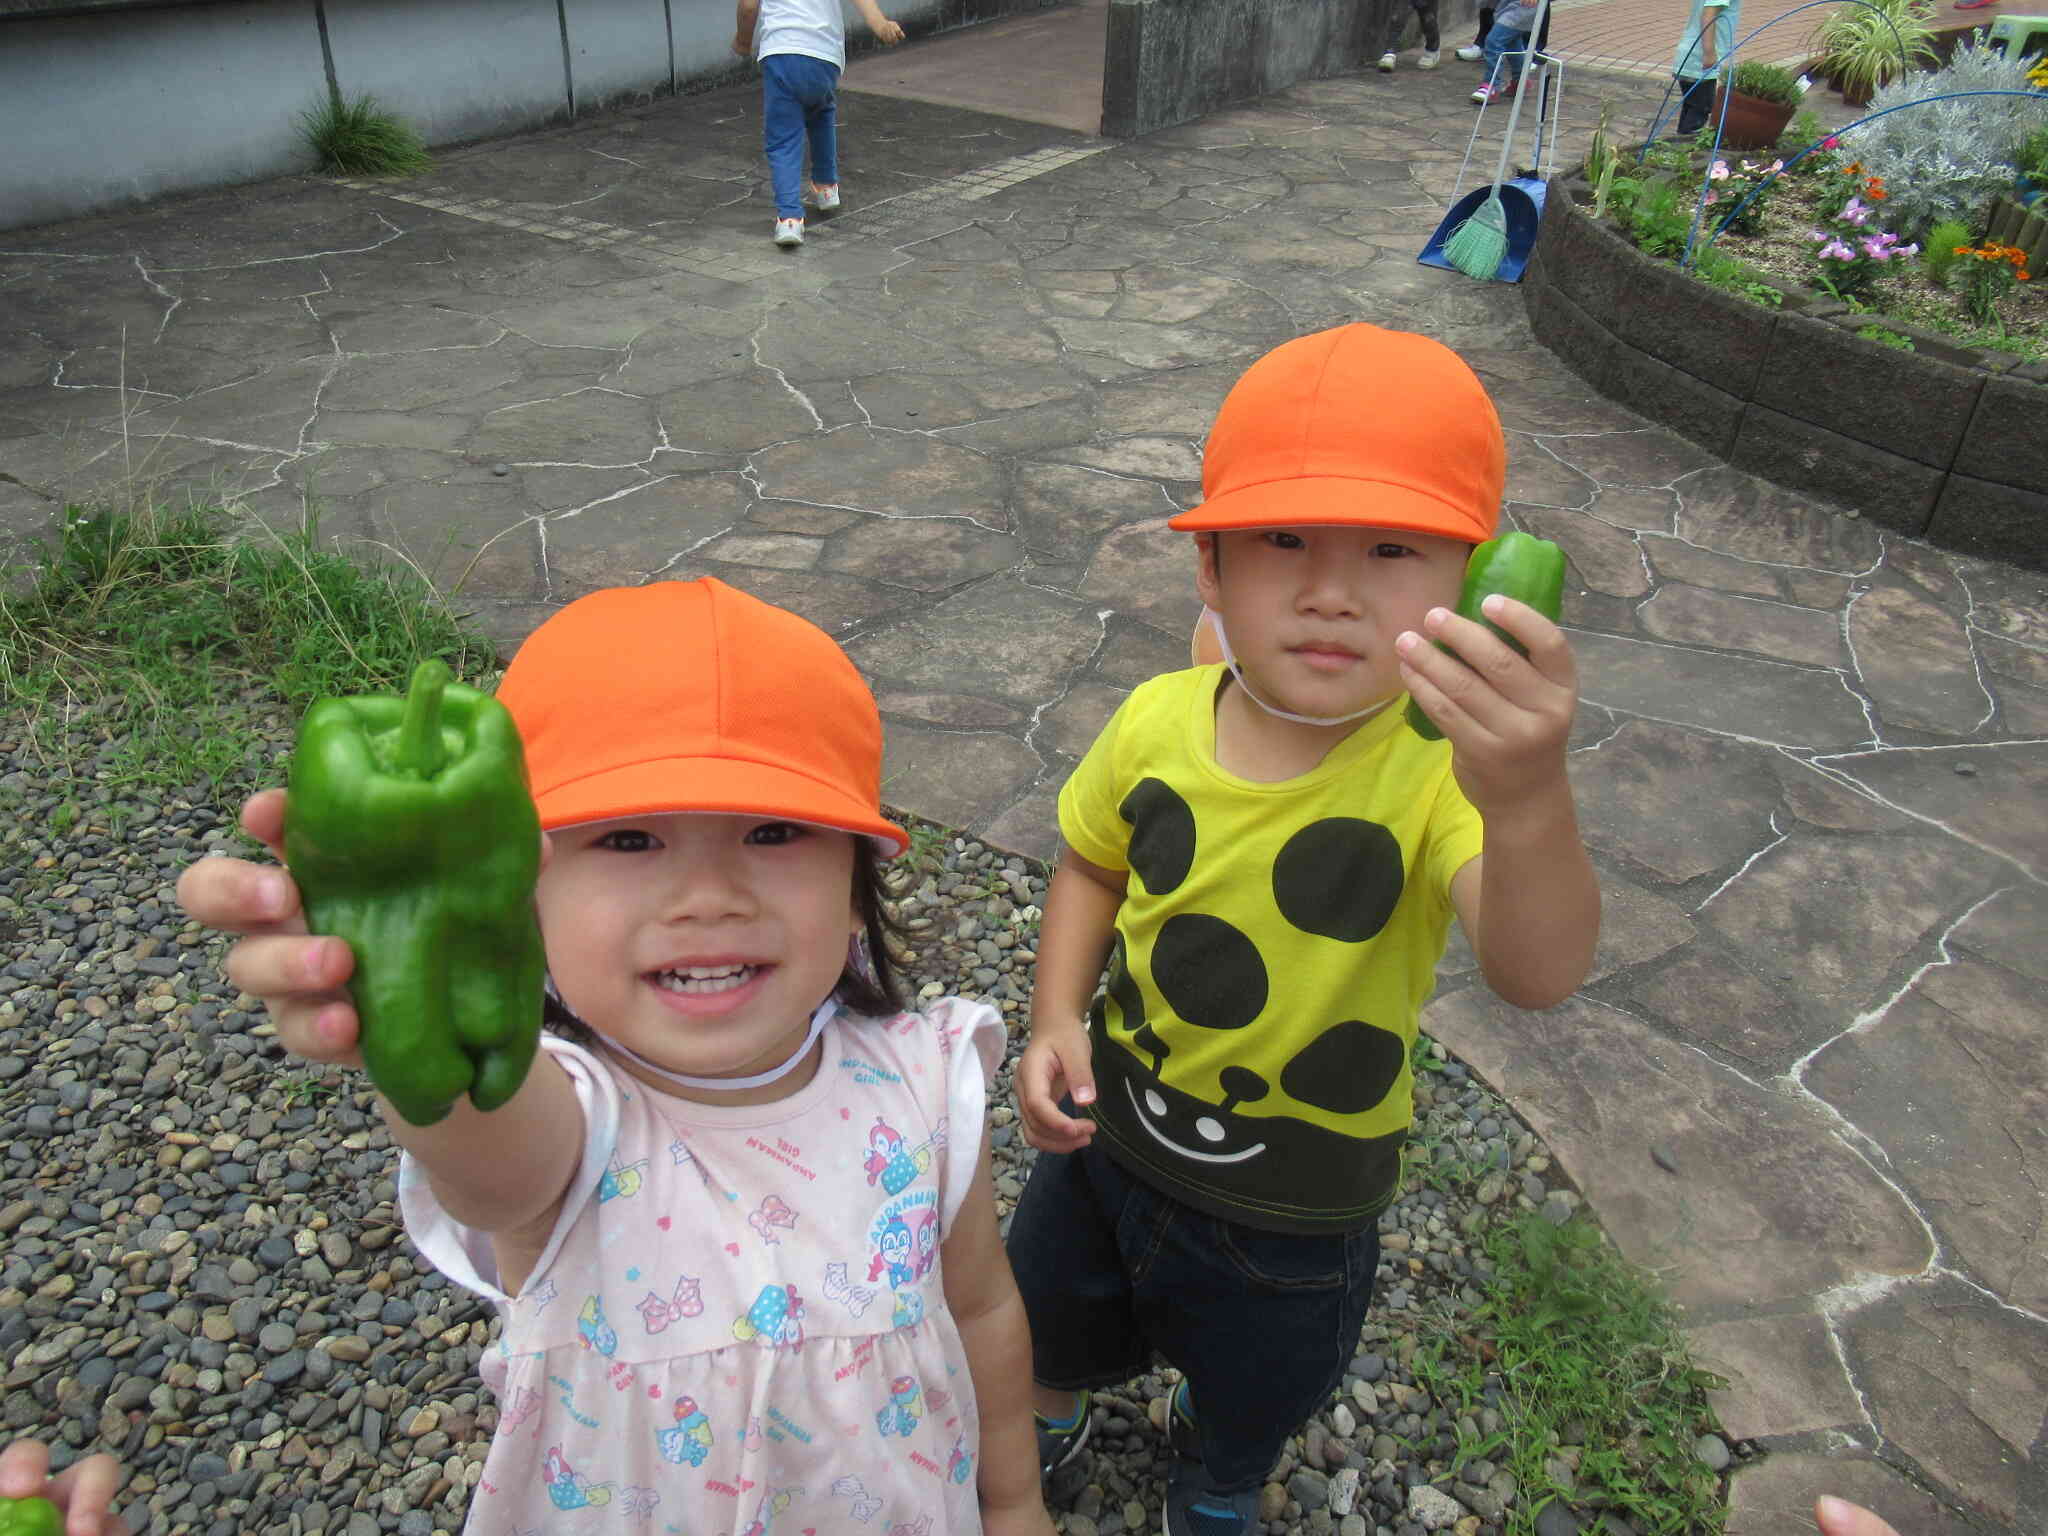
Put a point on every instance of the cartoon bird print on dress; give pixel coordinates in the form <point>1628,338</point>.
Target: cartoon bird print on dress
<point>772,1504</point>
<point>960,1465</point>
<point>855,1298</point>
<point>686,1301</point>
<point>909,1310</point>
<point>772,1214</point>
<point>689,1439</point>
<point>775,1320</point>
<point>904,1410</point>
<point>894,1250</point>
<point>865,1505</point>
<point>894,1161</point>
<point>597,1333</point>
<point>567,1488</point>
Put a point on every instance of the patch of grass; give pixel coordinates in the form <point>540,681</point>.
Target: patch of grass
<point>1595,1379</point>
<point>154,644</point>
<point>359,138</point>
<point>1886,338</point>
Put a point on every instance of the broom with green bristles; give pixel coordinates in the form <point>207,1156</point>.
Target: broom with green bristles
<point>1479,244</point>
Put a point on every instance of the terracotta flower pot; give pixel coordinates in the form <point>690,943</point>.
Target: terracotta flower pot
<point>1752,122</point>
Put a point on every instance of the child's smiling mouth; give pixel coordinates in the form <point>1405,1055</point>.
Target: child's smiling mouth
<point>705,980</point>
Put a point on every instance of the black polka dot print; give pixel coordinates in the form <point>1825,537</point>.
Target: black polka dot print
<point>1346,1069</point>
<point>1208,972</point>
<point>1339,878</point>
<point>1162,835</point>
<point>1123,990</point>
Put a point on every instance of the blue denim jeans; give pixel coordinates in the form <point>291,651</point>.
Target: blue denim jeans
<point>1505,41</point>
<point>1261,1323</point>
<point>799,100</point>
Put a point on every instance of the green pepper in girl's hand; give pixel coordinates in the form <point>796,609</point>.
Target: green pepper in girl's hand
<point>30,1517</point>
<point>1518,565</point>
<point>412,835</point>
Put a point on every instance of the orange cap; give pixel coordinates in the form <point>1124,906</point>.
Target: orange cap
<point>1356,425</point>
<point>694,696</point>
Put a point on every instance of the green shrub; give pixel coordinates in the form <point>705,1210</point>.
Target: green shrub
<point>2032,158</point>
<point>359,138</point>
<point>1948,159</point>
<point>1767,82</point>
<point>1938,255</point>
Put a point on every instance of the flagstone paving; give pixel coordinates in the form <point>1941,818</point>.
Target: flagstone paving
<point>1807,1080</point>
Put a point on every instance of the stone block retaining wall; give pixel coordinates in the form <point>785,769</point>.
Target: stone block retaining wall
<point>1946,442</point>
<point>114,102</point>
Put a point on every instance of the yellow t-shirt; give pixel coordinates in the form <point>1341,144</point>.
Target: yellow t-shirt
<point>1274,948</point>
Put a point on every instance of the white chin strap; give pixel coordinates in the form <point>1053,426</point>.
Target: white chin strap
<point>1229,660</point>
<point>819,1020</point>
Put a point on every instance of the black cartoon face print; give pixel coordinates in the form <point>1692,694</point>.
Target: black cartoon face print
<point>1337,879</point>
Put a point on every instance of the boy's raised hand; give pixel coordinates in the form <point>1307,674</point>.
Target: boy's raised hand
<point>1506,716</point>
<point>1057,1062</point>
<point>299,977</point>
<point>83,1491</point>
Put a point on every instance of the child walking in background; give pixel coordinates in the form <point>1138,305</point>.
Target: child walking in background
<point>801,46</point>
<point>1432,40</point>
<point>1472,49</point>
<point>1703,51</point>
<point>1507,47</point>
<point>1268,858</point>
<point>743,1241</point>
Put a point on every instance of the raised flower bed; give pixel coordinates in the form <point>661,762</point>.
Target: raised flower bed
<point>1944,442</point>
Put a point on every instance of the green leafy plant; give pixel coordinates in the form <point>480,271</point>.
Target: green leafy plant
<point>1766,82</point>
<point>1984,275</point>
<point>1859,46</point>
<point>359,138</point>
<point>1886,338</point>
<point>1660,219</point>
<point>1806,129</point>
<point>1716,267</point>
<point>1945,244</point>
<point>2031,158</point>
<point>1745,186</point>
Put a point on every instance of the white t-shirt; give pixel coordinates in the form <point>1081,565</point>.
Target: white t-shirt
<point>812,27</point>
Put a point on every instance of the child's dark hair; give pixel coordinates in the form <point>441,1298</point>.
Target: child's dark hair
<point>873,995</point>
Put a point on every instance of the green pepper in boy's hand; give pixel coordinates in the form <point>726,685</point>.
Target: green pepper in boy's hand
<point>30,1517</point>
<point>1517,565</point>
<point>412,835</point>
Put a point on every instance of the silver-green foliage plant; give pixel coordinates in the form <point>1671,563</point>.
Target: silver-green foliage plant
<point>1948,159</point>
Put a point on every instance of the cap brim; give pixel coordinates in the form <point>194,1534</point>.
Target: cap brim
<point>715,786</point>
<point>1310,501</point>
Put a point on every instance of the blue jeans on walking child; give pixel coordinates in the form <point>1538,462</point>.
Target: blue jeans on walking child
<point>1509,44</point>
<point>799,100</point>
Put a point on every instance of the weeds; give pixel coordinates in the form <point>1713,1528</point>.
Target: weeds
<point>153,643</point>
<point>1593,1374</point>
<point>359,138</point>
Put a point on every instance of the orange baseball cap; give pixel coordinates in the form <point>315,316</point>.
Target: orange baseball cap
<point>1360,426</point>
<point>695,696</point>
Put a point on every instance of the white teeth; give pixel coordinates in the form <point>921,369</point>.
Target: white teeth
<point>705,978</point>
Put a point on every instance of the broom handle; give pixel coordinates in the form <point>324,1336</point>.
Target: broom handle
<point>1507,140</point>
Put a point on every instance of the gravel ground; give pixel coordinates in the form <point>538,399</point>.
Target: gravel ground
<point>202,1270</point>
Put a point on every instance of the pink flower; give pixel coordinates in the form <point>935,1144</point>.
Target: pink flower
<point>1834,250</point>
<point>1831,142</point>
<point>1720,171</point>
<point>1856,211</point>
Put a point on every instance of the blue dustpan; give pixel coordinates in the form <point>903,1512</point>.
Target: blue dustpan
<point>1522,197</point>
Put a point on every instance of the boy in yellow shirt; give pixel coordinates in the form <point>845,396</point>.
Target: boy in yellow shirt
<point>1267,858</point>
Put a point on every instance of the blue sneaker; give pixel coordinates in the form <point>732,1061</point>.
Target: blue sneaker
<point>1193,1508</point>
<point>1059,1443</point>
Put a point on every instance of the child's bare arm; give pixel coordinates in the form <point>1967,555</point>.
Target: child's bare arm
<point>880,25</point>
<point>748,14</point>
<point>499,1172</point>
<point>1073,942</point>
<point>1531,903</point>
<point>982,1296</point>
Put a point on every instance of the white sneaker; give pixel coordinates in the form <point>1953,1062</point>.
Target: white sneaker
<point>789,232</point>
<point>1386,63</point>
<point>1428,59</point>
<point>824,199</point>
<point>1469,52</point>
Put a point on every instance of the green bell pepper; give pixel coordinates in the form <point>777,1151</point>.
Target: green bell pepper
<point>30,1517</point>
<point>1519,565</point>
<point>412,835</point>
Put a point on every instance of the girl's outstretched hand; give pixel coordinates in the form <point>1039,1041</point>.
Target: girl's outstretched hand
<point>299,977</point>
<point>1508,717</point>
<point>84,1491</point>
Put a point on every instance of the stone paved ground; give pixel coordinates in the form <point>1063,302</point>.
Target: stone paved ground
<point>1808,1078</point>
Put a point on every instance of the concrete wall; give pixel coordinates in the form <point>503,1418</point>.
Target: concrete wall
<point>116,102</point>
<point>1171,61</point>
